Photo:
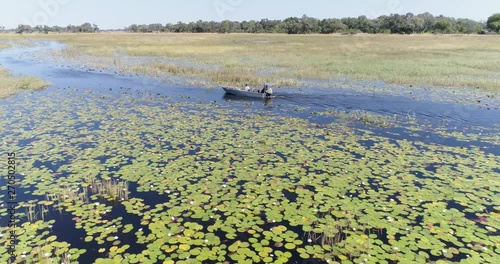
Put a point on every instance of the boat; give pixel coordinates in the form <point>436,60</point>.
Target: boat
<point>241,92</point>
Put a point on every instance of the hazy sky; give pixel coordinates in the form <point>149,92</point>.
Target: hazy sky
<point>121,13</point>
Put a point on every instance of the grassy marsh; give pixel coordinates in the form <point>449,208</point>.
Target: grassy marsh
<point>448,61</point>
<point>4,45</point>
<point>10,84</point>
<point>214,182</point>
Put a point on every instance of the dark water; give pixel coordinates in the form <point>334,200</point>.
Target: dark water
<point>296,102</point>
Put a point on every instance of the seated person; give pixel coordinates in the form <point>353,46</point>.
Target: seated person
<point>269,91</point>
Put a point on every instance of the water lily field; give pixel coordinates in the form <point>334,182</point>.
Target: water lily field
<point>113,169</point>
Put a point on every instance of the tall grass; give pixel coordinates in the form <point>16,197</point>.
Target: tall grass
<point>458,60</point>
<point>109,189</point>
<point>10,84</point>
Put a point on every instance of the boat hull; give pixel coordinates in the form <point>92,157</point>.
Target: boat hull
<point>238,92</point>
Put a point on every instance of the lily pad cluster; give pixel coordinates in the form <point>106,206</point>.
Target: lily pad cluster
<point>208,183</point>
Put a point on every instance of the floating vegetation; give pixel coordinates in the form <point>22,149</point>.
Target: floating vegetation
<point>10,84</point>
<point>372,119</point>
<point>193,183</point>
<point>37,245</point>
<point>367,118</point>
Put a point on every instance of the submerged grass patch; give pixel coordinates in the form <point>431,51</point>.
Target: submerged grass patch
<point>287,60</point>
<point>10,84</point>
<point>208,183</point>
<point>4,45</point>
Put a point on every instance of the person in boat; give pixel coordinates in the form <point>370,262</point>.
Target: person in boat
<point>267,90</point>
<point>264,89</point>
<point>247,88</point>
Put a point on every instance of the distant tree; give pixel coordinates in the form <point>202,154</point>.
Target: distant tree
<point>417,24</point>
<point>292,25</point>
<point>71,28</point>
<point>258,28</point>
<point>24,29</point>
<point>224,27</point>
<point>234,26</point>
<point>428,21</point>
<point>57,29</point>
<point>169,27</point>
<point>132,28</point>
<point>397,24</point>
<point>143,28</point>
<point>350,22</point>
<point>46,29</point>
<point>468,26</point>
<point>329,26</point>
<point>270,26</point>
<point>248,26</point>
<point>444,25</point>
<point>86,28</point>
<point>309,25</point>
<point>155,28</point>
<point>366,25</point>
<point>201,27</point>
<point>38,28</point>
<point>394,23</point>
<point>183,28</point>
<point>493,23</point>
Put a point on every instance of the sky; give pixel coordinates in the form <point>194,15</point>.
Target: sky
<point>117,14</point>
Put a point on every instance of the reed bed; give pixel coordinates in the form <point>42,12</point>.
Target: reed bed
<point>437,60</point>
<point>10,85</point>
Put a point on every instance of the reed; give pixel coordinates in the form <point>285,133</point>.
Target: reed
<point>111,189</point>
<point>10,84</point>
<point>30,211</point>
<point>438,60</point>
<point>343,236</point>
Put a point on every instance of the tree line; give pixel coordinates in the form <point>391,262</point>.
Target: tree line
<point>394,24</point>
<point>83,28</point>
<point>391,24</point>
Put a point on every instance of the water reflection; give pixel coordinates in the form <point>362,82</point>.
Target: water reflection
<point>267,102</point>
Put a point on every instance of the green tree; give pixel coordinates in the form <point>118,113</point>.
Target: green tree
<point>444,25</point>
<point>292,25</point>
<point>270,26</point>
<point>133,28</point>
<point>225,27</point>
<point>157,27</point>
<point>71,28</point>
<point>468,26</point>
<point>47,29</point>
<point>309,25</point>
<point>24,29</point>
<point>493,23</point>
<point>397,24</point>
<point>365,25</point>
<point>332,25</point>
<point>428,21</point>
<point>86,28</point>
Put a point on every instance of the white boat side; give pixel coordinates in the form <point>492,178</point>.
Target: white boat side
<point>239,92</point>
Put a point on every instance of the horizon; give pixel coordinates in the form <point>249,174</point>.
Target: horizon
<point>108,17</point>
